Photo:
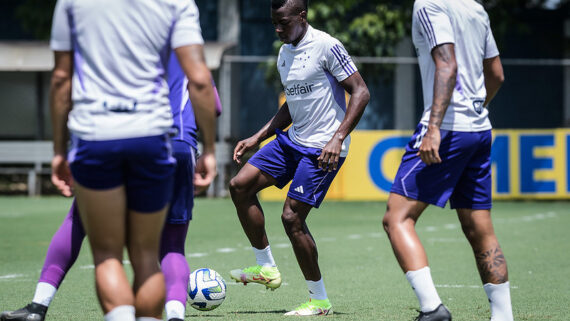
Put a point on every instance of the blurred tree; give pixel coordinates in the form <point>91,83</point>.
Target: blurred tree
<point>375,27</point>
<point>365,27</point>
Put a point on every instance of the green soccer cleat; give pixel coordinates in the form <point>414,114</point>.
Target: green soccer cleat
<point>313,307</point>
<point>266,275</point>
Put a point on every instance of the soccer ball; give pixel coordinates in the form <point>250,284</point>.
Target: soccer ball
<point>206,289</point>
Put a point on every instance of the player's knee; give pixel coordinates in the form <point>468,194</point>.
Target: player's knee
<point>236,187</point>
<point>386,224</point>
<point>291,220</point>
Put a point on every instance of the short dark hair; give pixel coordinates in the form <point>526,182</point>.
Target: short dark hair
<point>302,4</point>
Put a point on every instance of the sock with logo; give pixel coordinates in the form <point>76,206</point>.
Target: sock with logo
<point>500,300</point>
<point>317,289</point>
<point>423,286</point>
<point>264,257</point>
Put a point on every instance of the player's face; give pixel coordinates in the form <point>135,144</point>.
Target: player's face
<point>289,23</point>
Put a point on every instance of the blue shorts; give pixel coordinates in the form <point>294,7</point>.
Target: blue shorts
<point>143,165</point>
<point>285,161</point>
<point>463,177</point>
<point>183,190</point>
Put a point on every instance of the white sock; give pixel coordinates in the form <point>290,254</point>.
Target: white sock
<point>174,309</point>
<point>500,300</point>
<point>149,319</point>
<point>317,289</point>
<point>424,288</point>
<point>264,257</point>
<point>44,293</point>
<point>121,313</point>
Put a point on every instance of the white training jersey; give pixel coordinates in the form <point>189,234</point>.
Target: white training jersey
<point>120,53</point>
<point>465,24</point>
<point>311,73</point>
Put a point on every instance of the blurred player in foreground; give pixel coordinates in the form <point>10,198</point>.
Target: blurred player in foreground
<point>315,71</point>
<point>66,243</point>
<point>121,159</point>
<point>448,156</point>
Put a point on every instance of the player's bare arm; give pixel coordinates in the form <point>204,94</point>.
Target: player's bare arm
<point>281,120</point>
<point>494,77</point>
<point>60,105</point>
<point>203,100</point>
<point>359,97</point>
<point>444,83</point>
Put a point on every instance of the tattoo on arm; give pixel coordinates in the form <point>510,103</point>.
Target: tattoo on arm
<point>492,266</point>
<point>444,81</point>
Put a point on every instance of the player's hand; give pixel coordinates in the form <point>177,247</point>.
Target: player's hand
<point>330,155</point>
<point>429,149</point>
<point>204,172</point>
<point>61,175</point>
<point>243,146</point>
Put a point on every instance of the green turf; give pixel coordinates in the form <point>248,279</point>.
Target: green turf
<point>361,275</point>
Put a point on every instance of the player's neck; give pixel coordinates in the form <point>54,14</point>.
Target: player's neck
<point>296,41</point>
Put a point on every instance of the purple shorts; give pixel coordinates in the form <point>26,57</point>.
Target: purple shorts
<point>463,177</point>
<point>183,190</point>
<point>143,165</point>
<point>285,161</point>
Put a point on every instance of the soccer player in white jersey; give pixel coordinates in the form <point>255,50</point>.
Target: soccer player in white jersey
<point>315,71</point>
<point>110,65</point>
<point>448,157</point>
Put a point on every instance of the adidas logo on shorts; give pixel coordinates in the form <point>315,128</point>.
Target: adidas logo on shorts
<point>299,189</point>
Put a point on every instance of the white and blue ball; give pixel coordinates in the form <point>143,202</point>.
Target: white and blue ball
<point>206,289</point>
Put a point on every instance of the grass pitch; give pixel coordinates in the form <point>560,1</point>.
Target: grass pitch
<point>361,275</point>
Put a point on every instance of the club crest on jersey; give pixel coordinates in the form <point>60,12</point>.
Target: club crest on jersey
<point>299,89</point>
<point>478,105</point>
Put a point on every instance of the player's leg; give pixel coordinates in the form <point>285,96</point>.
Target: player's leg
<point>294,221</point>
<point>271,165</point>
<point>415,186</point>
<point>172,244</point>
<point>243,189</point>
<point>472,199</point>
<point>478,228</point>
<point>62,253</point>
<point>175,268</point>
<point>149,184</point>
<point>144,232</point>
<point>399,222</point>
<point>104,217</point>
<point>308,189</point>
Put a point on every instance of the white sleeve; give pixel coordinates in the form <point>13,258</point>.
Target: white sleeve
<point>337,60</point>
<point>186,29</point>
<point>491,49</point>
<point>435,24</point>
<point>61,28</point>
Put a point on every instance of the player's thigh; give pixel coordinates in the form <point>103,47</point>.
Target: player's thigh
<point>295,210</point>
<point>400,208</point>
<point>273,164</point>
<point>103,214</point>
<point>252,179</point>
<point>310,183</point>
<point>145,228</point>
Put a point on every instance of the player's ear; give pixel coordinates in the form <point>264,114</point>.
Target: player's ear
<point>303,15</point>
